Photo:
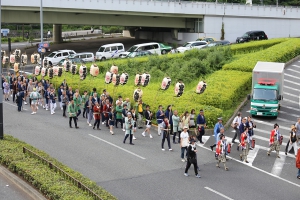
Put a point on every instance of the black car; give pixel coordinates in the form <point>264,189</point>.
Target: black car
<point>252,35</point>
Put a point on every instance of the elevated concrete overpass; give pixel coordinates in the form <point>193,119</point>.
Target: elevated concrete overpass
<point>181,18</point>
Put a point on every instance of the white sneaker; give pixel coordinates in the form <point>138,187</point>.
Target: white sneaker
<point>32,113</point>
<point>52,113</point>
<point>134,138</point>
<point>151,136</point>
<point>103,122</point>
<point>170,149</point>
<point>61,108</point>
<point>90,124</point>
<point>163,149</point>
<point>182,160</point>
<point>37,107</point>
<point>25,102</point>
<point>143,134</point>
<point>46,108</point>
<point>123,129</point>
<point>111,132</point>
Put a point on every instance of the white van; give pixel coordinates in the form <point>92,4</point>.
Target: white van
<point>109,51</point>
<point>153,47</point>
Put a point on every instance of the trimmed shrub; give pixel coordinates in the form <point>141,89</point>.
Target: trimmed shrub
<point>254,46</point>
<point>282,52</point>
<point>50,183</point>
<point>225,89</point>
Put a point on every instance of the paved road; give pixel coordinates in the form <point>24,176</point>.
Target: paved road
<point>143,171</point>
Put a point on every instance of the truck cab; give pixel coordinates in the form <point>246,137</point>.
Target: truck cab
<point>267,85</point>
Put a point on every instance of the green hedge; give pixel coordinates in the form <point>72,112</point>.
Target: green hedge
<point>254,46</point>
<point>282,52</point>
<point>226,88</point>
<point>50,183</point>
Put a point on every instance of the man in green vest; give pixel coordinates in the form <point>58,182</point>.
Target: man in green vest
<point>72,114</point>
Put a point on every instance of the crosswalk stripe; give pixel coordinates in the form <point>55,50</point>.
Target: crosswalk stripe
<point>296,77</point>
<point>291,108</point>
<point>290,114</point>
<point>293,70</point>
<point>291,82</point>
<point>272,125</point>
<point>265,139</point>
<point>289,94</point>
<point>251,155</point>
<point>204,139</point>
<point>278,166</point>
<point>294,102</point>
<point>285,120</point>
<point>267,132</point>
<point>291,88</point>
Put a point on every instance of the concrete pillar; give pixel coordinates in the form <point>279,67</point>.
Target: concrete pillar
<point>57,33</point>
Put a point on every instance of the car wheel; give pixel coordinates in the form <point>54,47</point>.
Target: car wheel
<point>163,52</point>
<point>103,59</point>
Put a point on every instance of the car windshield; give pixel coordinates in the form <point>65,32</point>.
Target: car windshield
<point>245,35</point>
<point>101,49</point>
<point>212,44</point>
<point>162,45</point>
<point>71,56</point>
<point>131,55</point>
<point>51,55</point>
<point>187,44</point>
<point>264,94</point>
<point>132,49</point>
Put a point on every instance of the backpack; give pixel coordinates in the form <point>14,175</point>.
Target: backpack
<point>298,159</point>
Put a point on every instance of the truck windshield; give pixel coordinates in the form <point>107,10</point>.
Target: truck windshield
<point>264,94</point>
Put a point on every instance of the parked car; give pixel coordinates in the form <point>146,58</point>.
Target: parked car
<point>164,48</point>
<point>190,45</point>
<point>73,60</point>
<point>56,56</point>
<point>252,35</point>
<point>85,56</point>
<point>110,51</point>
<point>139,54</point>
<point>219,43</point>
<point>153,47</point>
<point>207,39</point>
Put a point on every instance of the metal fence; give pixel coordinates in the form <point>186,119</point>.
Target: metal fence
<point>67,176</point>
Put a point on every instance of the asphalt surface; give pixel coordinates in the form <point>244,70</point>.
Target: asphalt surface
<point>144,171</point>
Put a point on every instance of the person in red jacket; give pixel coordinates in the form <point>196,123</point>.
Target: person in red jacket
<point>275,140</point>
<point>221,151</point>
<point>97,113</point>
<point>106,110</point>
<point>298,163</point>
<point>244,145</point>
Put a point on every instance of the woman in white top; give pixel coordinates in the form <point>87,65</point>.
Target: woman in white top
<point>184,141</point>
<point>186,120</point>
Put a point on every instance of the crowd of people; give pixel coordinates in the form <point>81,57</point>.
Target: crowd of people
<point>99,109</point>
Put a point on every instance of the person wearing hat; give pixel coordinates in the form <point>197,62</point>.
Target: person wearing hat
<point>292,141</point>
<point>217,130</point>
<point>165,127</point>
<point>221,151</point>
<point>184,142</point>
<point>235,125</point>
<point>275,139</point>
<point>34,96</point>
<point>129,126</point>
<point>192,158</point>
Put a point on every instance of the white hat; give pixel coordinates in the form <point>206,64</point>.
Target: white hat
<point>185,127</point>
<point>129,113</point>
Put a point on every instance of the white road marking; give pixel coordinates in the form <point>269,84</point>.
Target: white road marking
<point>248,111</point>
<point>285,120</point>
<point>204,139</point>
<point>292,108</point>
<point>270,124</point>
<point>296,77</point>
<point>117,147</point>
<point>15,105</point>
<point>287,100</point>
<point>299,100</point>
<point>290,114</point>
<point>291,88</point>
<point>218,193</point>
<point>267,132</point>
<point>278,166</point>
<point>293,70</point>
<point>296,65</point>
<point>291,82</point>
<point>292,95</point>
<point>251,155</point>
<point>265,139</point>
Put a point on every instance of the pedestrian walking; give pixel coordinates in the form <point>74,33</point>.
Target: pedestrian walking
<point>186,119</point>
<point>201,124</point>
<point>106,109</point>
<point>148,115</point>
<point>77,102</point>
<point>298,163</point>
<point>176,127</point>
<point>134,117</point>
<point>124,115</point>
<point>6,89</point>
<point>297,125</point>
<point>84,99</point>
<point>192,125</point>
<point>244,145</point>
<point>65,102</point>
<point>52,101</point>
<point>221,151</point>
<point>235,125</point>
<point>217,130</point>
<point>111,118</point>
<point>129,125</point>
<point>140,113</point>
<point>169,114</point>
<point>72,114</point>
<point>192,159</point>
<point>165,127</point>
<point>119,109</point>
<point>292,141</point>
<point>159,118</point>
<point>275,140</point>
<point>89,109</point>
<point>250,126</point>
<point>97,113</point>
<point>34,96</point>
<point>184,142</point>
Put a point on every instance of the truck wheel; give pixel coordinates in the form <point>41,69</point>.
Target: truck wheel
<point>163,52</point>
<point>103,59</point>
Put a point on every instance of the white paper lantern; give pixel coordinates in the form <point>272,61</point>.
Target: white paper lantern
<point>44,71</point>
<point>50,73</point>
<point>17,53</point>
<point>12,58</point>
<point>115,79</point>
<point>60,71</point>
<point>123,78</point>
<point>114,69</point>
<point>179,88</point>
<point>55,70</point>
<point>165,83</point>
<point>74,69</point>
<point>137,94</point>
<point>37,70</point>
<point>145,79</point>
<point>94,70</point>
<point>5,60</point>
<point>82,72</point>
<point>16,67</point>
<point>201,87</point>
<point>108,77</point>
<point>34,58</point>
<point>3,53</point>
<point>24,59</point>
<point>67,65</point>
<point>137,80</point>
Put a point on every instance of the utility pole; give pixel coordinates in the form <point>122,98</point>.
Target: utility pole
<point>41,24</point>
<point>1,91</point>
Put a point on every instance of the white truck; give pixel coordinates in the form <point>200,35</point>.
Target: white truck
<point>267,89</point>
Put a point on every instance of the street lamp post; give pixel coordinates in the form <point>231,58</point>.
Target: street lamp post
<point>1,91</point>
<point>41,24</point>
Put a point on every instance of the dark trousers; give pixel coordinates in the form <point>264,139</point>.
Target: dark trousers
<point>171,128</point>
<point>164,136</point>
<point>174,136</point>
<point>97,122</point>
<point>121,122</point>
<point>19,100</point>
<point>70,121</point>
<point>106,121</point>
<point>84,111</point>
<point>201,133</point>
<point>14,96</point>
<point>188,164</point>
<point>78,112</point>
<point>102,117</point>
<point>30,101</point>
<point>237,134</point>
<point>64,110</point>
<point>130,137</point>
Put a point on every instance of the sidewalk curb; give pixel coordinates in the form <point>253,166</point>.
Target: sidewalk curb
<point>26,187</point>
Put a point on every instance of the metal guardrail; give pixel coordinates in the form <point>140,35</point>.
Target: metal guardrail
<point>67,176</point>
